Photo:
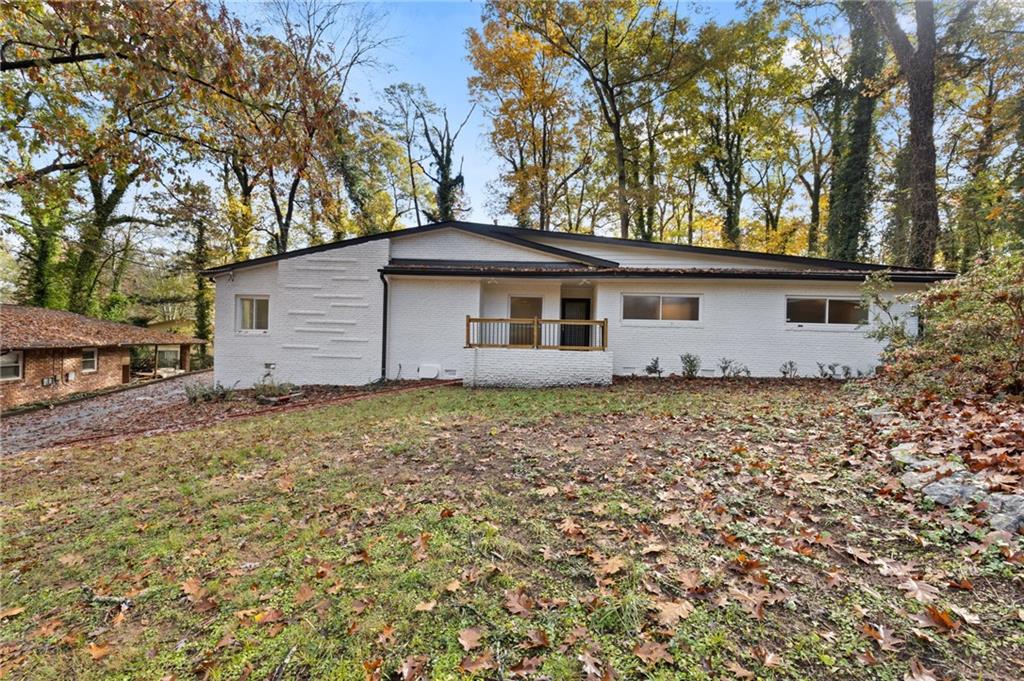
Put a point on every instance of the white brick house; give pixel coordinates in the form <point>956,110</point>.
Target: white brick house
<point>500,305</point>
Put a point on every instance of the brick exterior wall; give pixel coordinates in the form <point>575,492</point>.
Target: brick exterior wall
<point>40,364</point>
<point>326,311</point>
<point>518,368</point>
<point>324,321</point>
<point>744,321</point>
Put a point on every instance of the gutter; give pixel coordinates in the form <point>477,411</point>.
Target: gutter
<point>384,331</point>
<point>896,277</point>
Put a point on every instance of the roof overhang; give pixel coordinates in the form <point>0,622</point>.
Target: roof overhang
<point>528,238</point>
<point>652,273</point>
<point>491,232</point>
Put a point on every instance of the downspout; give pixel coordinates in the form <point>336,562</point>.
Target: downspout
<point>384,332</point>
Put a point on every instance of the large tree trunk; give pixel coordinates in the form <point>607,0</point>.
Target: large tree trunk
<point>622,182</point>
<point>412,181</point>
<point>82,290</point>
<point>851,189</point>
<point>814,191</point>
<point>923,196</point>
<point>917,65</point>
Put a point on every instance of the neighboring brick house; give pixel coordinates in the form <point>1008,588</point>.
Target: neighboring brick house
<point>47,354</point>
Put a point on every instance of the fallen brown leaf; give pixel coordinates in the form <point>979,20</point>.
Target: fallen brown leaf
<point>470,638</point>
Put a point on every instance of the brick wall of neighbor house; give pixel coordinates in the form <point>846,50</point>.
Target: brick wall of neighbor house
<point>509,367</point>
<point>324,319</point>
<point>744,321</point>
<point>40,364</point>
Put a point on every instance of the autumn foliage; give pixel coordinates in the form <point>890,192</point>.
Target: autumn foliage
<point>972,340</point>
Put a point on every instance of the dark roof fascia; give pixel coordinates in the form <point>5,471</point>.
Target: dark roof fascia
<point>521,236</point>
<point>76,346</point>
<point>726,252</point>
<point>472,228</point>
<point>344,243</point>
<point>466,264</point>
<point>895,277</point>
<point>500,233</point>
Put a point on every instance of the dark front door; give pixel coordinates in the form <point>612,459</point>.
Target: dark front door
<point>575,334</point>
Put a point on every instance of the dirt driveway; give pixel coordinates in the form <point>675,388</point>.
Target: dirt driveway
<point>161,408</point>
<point>95,416</point>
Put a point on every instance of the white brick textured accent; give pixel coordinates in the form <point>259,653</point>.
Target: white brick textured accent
<point>524,368</point>
<point>325,319</point>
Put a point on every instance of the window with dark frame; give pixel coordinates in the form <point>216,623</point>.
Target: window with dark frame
<point>841,311</point>
<point>651,307</point>
<point>523,307</point>
<point>11,365</point>
<point>90,360</point>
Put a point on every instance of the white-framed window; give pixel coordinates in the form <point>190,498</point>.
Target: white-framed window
<point>662,307</point>
<point>253,313</point>
<point>12,366</point>
<point>90,360</point>
<point>842,312</point>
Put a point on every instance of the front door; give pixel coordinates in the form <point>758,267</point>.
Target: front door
<point>574,334</point>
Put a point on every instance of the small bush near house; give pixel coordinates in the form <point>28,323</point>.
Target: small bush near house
<point>731,369</point>
<point>789,369</point>
<point>691,365</point>
<point>828,370</point>
<point>973,332</point>
<point>271,388</point>
<point>654,368</point>
<point>208,393</point>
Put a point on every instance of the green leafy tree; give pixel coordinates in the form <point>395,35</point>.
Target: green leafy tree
<point>744,109</point>
<point>628,54</point>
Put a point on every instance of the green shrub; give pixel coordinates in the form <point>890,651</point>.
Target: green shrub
<point>789,369</point>
<point>691,365</point>
<point>268,387</point>
<point>972,338</point>
<point>654,368</point>
<point>207,393</point>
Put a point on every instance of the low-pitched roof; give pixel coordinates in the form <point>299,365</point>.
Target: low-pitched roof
<point>484,268</point>
<point>23,327</point>
<point>526,238</point>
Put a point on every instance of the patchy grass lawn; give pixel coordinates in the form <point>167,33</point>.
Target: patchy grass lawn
<point>711,529</point>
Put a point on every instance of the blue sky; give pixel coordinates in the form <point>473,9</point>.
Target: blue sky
<point>429,48</point>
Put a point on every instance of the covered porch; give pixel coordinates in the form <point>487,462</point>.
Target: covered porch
<point>536,333</point>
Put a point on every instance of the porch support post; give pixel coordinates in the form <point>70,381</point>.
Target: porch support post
<point>536,333</point>
<point>186,356</point>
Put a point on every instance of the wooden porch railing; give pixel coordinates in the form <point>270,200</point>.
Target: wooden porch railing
<point>544,334</point>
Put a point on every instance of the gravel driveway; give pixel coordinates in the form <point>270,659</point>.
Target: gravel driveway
<point>102,415</point>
